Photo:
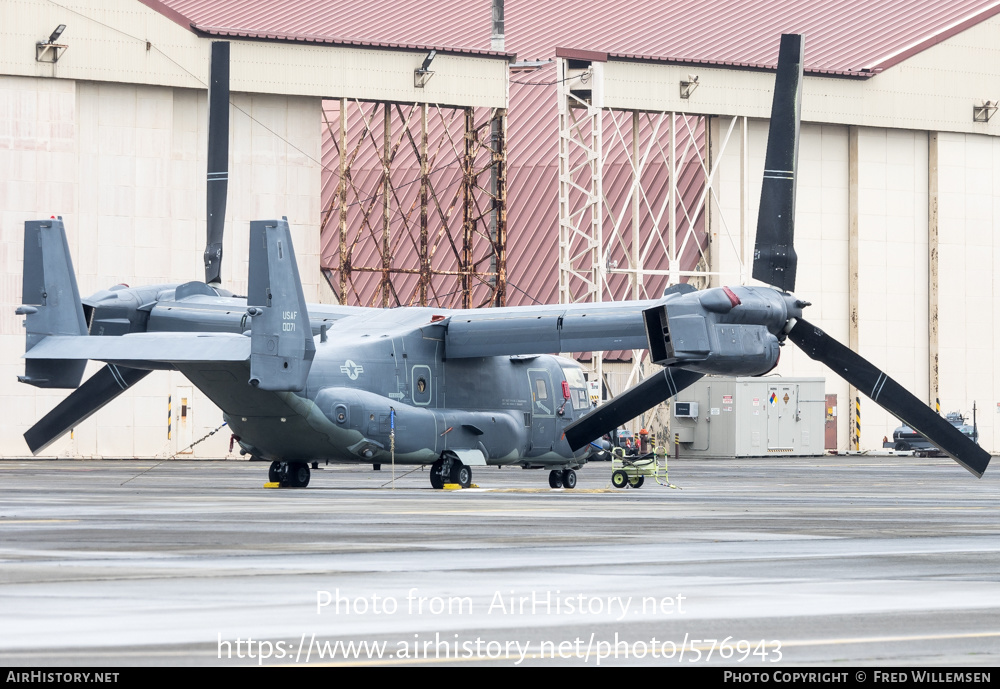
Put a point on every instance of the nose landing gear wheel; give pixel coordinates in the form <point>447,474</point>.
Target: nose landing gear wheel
<point>569,478</point>
<point>619,479</point>
<point>555,479</point>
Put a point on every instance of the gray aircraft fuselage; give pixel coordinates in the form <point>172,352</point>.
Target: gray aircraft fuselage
<point>373,369</point>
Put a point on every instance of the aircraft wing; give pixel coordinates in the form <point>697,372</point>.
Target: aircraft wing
<point>139,348</point>
<point>546,329</point>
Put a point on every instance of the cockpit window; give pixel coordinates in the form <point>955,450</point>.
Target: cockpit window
<point>577,388</point>
<point>574,377</point>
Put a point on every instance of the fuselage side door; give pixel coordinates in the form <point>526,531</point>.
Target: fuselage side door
<point>543,410</point>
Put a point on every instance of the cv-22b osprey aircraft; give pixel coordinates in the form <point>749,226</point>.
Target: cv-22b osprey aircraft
<point>454,389</point>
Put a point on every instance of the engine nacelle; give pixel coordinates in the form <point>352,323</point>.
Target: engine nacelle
<point>725,330</point>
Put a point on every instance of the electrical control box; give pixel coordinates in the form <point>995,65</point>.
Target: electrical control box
<point>686,410</point>
<point>750,417</point>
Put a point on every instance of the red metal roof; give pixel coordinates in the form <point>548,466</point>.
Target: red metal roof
<point>430,24</point>
<point>843,37</point>
<point>849,36</point>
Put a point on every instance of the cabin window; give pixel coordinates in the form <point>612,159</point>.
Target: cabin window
<point>421,384</point>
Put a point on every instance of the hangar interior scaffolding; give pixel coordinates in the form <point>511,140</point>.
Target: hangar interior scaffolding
<point>419,215</point>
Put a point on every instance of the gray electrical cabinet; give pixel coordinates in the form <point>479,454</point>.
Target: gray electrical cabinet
<point>749,417</point>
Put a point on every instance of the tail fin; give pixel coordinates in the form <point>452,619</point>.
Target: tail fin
<point>50,302</point>
<point>281,340</point>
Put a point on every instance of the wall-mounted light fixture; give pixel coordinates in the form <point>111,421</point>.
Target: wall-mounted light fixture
<point>689,85</point>
<point>48,50</point>
<point>984,111</point>
<point>423,73</point>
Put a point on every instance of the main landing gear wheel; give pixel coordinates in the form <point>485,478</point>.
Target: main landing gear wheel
<point>298,474</point>
<point>569,478</point>
<point>461,474</point>
<point>555,479</point>
<point>437,480</point>
<point>449,469</point>
<point>619,479</point>
<point>637,481</point>
<point>289,474</point>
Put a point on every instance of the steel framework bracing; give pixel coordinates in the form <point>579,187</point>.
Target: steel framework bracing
<point>419,216</point>
<point>639,208</point>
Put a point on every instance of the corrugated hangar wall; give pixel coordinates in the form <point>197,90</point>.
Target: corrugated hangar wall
<point>124,165</point>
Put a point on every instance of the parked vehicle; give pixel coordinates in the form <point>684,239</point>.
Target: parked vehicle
<point>905,438</point>
<point>627,441</point>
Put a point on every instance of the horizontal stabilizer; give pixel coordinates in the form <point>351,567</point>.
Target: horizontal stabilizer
<point>146,347</point>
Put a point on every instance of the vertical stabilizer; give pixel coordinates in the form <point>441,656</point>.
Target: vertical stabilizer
<point>50,301</point>
<point>282,347</point>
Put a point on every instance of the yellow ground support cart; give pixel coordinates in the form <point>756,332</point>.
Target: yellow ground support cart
<point>632,471</point>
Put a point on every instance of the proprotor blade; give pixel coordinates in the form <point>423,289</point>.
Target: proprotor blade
<point>218,160</point>
<point>101,388</point>
<point>889,395</point>
<point>628,405</point>
<point>774,254</point>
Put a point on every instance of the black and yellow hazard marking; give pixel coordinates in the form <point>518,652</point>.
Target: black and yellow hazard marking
<point>857,424</point>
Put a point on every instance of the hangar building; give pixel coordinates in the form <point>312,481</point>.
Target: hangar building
<point>899,185</point>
